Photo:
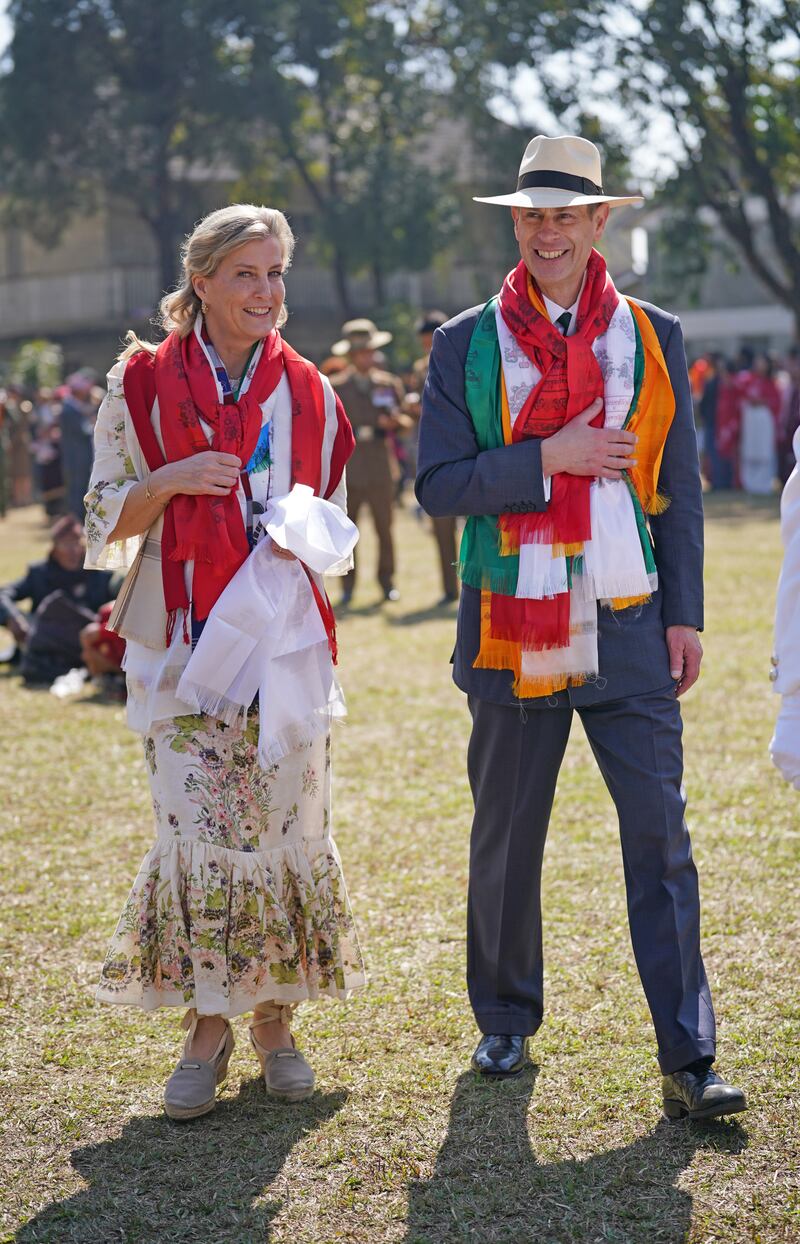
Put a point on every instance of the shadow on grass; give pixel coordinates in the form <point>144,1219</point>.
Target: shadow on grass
<point>488,1186</point>
<point>433,613</point>
<point>180,1182</point>
<point>358,611</point>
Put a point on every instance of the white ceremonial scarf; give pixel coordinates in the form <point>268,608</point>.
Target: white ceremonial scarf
<point>265,634</point>
<point>613,563</point>
<point>784,747</point>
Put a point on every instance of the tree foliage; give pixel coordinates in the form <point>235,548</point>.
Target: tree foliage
<point>724,72</point>
<point>150,102</point>
<point>348,105</point>
<point>37,364</point>
<point>727,75</point>
<point>129,98</point>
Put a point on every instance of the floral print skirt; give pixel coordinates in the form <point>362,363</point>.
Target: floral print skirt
<point>242,899</point>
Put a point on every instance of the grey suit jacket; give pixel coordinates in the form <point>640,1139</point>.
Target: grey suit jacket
<point>455,477</point>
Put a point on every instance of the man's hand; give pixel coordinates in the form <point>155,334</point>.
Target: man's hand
<point>580,449</point>
<point>685,655</point>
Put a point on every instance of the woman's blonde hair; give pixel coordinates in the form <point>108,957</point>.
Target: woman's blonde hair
<point>210,241</point>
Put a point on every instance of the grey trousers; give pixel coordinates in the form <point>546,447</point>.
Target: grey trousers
<point>513,764</point>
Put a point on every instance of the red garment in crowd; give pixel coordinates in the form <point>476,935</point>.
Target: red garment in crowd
<point>728,420</point>
<point>111,645</point>
<point>759,391</point>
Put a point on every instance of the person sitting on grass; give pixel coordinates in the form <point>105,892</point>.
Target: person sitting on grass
<point>64,598</point>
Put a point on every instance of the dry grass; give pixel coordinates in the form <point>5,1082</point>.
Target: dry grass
<point>401,1143</point>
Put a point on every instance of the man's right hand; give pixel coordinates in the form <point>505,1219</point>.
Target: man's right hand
<point>578,449</point>
<point>209,473</point>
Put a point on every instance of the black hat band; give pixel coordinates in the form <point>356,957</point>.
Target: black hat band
<point>558,181</point>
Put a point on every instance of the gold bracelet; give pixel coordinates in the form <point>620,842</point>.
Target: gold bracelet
<point>147,493</point>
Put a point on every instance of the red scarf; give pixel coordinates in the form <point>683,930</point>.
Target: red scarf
<point>571,380</point>
<point>211,529</point>
<point>728,420</point>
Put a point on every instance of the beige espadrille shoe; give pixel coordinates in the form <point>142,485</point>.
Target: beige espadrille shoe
<point>191,1090</point>
<point>286,1072</point>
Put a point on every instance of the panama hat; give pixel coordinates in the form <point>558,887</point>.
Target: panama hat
<point>560,172</point>
<point>360,335</point>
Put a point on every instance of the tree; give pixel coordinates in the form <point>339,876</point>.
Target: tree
<point>126,98</point>
<point>725,73</point>
<point>37,364</point>
<point>150,101</point>
<point>348,107</point>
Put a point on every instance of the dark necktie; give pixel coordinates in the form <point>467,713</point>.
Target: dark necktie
<point>564,321</point>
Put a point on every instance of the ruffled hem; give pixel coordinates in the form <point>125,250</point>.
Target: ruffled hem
<point>223,930</point>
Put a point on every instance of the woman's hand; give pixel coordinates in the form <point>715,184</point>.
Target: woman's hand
<point>209,474</point>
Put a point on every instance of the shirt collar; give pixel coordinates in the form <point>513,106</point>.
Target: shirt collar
<point>554,310</point>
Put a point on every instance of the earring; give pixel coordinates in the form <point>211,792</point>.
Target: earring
<point>204,308</point>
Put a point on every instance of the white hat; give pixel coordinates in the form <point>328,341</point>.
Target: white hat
<point>560,172</point>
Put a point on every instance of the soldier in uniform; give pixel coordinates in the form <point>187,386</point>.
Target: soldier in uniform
<point>373,400</point>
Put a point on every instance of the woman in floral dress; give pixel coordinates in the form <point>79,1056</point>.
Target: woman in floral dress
<point>241,904</point>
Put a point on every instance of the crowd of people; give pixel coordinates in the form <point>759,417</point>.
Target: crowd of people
<point>46,443</point>
<point>748,409</point>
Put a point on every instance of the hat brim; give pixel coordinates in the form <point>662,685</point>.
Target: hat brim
<point>375,343</point>
<point>542,196</point>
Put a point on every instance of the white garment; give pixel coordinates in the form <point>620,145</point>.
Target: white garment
<point>579,657</point>
<point>119,464</point>
<point>758,462</point>
<point>265,635</point>
<point>785,745</point>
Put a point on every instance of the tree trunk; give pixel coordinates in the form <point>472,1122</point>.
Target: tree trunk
<point>342,286</point>
<point>167,247</point>
<point>378,284</point>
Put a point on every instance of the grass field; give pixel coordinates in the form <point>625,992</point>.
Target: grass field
<point>401,1142</point>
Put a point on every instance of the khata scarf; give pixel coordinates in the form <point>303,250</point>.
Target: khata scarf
<point>542,574</point>
<point>265,636</point>
<point>206,529</point>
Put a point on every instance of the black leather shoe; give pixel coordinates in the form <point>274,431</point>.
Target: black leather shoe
<point>700,1096</point>
<point>501,1055</point>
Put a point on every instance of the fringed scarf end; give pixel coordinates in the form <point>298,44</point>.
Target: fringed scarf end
<point>533,686</point>
<point>656,504</point>
<point>488,579</point>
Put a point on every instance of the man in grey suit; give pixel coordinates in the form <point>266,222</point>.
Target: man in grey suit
<point>647,656</point>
